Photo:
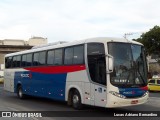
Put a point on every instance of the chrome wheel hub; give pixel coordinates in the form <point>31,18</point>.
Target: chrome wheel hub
<point>20,93</point>
<point>75,99</point>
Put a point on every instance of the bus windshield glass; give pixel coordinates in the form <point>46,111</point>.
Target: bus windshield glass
<point>130,68</point>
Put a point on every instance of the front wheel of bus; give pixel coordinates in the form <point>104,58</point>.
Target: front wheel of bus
<point>76,100</point>
<point>20,92</point>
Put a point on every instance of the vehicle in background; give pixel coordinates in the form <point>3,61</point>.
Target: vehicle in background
<point>156,76</point>
<point>154,84</point>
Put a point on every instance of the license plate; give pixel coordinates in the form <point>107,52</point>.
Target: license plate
<point>134,101</point>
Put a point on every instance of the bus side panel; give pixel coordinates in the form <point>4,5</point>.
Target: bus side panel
<point>79,80</point>
<point>22,78</point>
<point>42,84</point>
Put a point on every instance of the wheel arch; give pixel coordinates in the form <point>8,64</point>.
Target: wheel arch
<point>69,93</point>
<point>17,86</point>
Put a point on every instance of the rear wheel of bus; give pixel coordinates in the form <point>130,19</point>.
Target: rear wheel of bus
<point>20,92</point>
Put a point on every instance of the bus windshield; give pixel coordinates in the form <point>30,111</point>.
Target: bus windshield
<point>130,68</point>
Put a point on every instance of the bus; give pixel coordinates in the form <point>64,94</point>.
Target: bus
<point>102,71</point>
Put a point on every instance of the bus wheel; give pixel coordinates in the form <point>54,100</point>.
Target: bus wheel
<point>20,92</point>
<point>76,100</point>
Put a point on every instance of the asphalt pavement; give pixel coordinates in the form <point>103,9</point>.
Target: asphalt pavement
<point>9,102</point>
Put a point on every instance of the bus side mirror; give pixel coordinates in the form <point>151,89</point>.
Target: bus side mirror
<point>110,63</point>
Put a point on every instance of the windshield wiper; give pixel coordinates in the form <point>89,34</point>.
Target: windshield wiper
<point>134,69</point>
<point>140,73</point>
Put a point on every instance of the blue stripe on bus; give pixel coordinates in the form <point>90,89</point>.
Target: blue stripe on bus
<point>42,85</point>
<point>132,92</point>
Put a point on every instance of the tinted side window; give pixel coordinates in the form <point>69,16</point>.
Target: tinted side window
<point>50,57</point>
<point>29,60</point>
<point>58,57</point>
<point>78,57</point>
<point>23,63</point>
<point>42,58</point>
<point>18,64</point>
<point>95,48</point>
<point>14,63</point>
<point>8,62</point>
<point>97,62</point>
<point>35,59</point>
<point>68,58</point>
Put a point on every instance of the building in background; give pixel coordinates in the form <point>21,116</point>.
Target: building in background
<point>154,66</point>
<point>14,45</point>
<point>33,41</point>
<point>37,41</point>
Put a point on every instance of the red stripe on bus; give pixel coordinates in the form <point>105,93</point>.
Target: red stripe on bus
<point>144,88</point>
<point>56,69</point>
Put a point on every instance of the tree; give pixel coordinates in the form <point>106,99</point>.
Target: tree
<point>151,42</point>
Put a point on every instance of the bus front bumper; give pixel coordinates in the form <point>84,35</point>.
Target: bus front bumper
<point>114,101</point>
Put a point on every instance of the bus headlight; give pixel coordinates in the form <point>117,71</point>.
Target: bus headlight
<point>146,93</point>
<point>117,94</point>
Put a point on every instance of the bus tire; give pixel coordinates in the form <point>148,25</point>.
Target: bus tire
<point>20,92</point>
<point>76,100</point>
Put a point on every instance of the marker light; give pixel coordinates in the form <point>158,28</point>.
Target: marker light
<point>146,93</point>
<point>117,94</point>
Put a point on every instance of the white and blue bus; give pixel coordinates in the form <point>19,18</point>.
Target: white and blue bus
<point>105,72</point>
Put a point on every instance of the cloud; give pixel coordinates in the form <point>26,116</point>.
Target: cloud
<point>76,19</point>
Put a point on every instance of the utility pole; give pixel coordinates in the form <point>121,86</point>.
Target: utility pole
<point>131,33</point>
<point>127,34</point>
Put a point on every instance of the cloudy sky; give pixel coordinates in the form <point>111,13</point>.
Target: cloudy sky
<point>76,19</point>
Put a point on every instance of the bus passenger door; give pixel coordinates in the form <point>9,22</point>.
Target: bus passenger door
<point>99,87</point>
<point>99,94</point>
<point>94,95</point>
<point>97,72</point>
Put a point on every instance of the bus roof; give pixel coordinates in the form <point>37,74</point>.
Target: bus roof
<point>62,44</point>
